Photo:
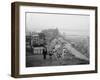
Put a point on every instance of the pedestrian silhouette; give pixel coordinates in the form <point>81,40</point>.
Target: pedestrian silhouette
<point>44,53</point>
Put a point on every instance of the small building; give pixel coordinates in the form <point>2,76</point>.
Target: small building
<point>38,42</point>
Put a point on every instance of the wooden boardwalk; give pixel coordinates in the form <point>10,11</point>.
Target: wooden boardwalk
<point>75,52</point>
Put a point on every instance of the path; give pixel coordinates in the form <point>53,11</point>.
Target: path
<point>75,52</point>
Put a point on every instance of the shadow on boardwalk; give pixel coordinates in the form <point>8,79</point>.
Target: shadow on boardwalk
<point>37,61</point>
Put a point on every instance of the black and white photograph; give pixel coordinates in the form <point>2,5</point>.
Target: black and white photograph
<point>57,39</point>
<point>53,39</point>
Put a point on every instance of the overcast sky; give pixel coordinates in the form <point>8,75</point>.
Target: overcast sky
<point>69,24</point>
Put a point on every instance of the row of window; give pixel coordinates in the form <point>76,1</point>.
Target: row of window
<point>38,50</point>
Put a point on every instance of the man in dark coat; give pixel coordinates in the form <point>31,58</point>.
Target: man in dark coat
<point>44,52</point>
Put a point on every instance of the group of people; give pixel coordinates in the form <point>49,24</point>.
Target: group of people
<point>57,53</point>
<point>45,52</point>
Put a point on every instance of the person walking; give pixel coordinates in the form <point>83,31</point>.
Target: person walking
<point>44,53</point>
